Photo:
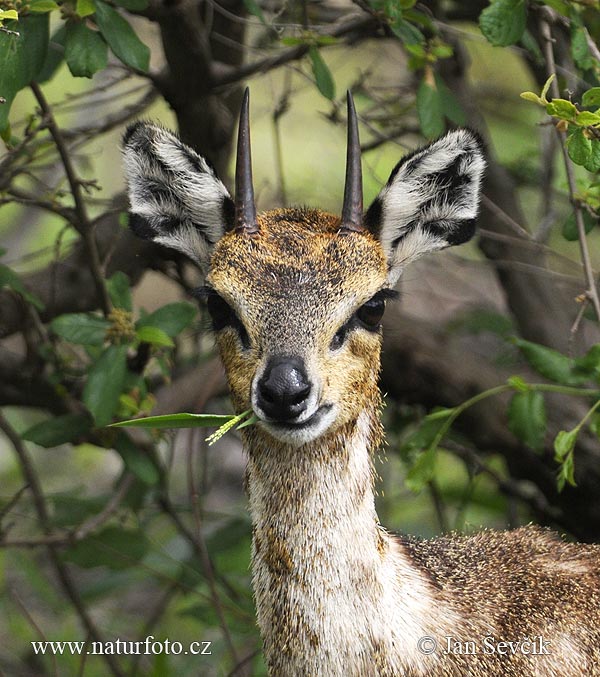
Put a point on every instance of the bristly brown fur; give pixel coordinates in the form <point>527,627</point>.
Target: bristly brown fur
<point>336,595</point>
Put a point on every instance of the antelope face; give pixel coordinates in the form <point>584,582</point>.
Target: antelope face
<point>297,309</point>
<point>296,297</point>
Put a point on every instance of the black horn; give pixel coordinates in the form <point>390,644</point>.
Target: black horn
<point>352,211</point>
<point>245,210</point>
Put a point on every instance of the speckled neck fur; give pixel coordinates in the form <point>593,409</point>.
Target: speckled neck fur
<point>326,574</point>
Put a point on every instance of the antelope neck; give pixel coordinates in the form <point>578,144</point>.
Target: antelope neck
<point>330,584</point>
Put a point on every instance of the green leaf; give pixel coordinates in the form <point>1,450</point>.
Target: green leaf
<point>137,461</point>
<point>561,108</point>
<point>569,229</point>
<point>440,413</point>
<point>229,535</point>
<point>587,119</point>
<point>22,57</point>
<point>593,164</point>
<point>579,147</point>
<point>530,96</point>
<point>504,21</point>
<point>54,57</point>
<point>527,418</point>
<point>42,6</point>
<point>119,291</point>
<point>449,103</point>
<point>429,110</point>
<point>172,318</point>
<point>406,32</point>
<point>546,87</point>
<point>121,37</point>
<point>8,15</point>
<point>86,52</point>
<point>154,336</point>
<point>580,49</point>
<point>253,8</point>
<point>58,430</point>
<point>560,6</point>
<point>81,328</point>
<point>565,443</point>
<point>479,321</point>
<point>8,278</point>
<point>132,5</point>
<point>549,363</point>
<point>113,547</point>
<point>589,364</point>
<point>424,436</point>
<point>85,8</point>
<point>181,420</point>
<point>422,470</point>
<point>323,77</point>
<point>566,473</point>
<point>105,383</point>
<point>591,97</point>
<point>519,384</point>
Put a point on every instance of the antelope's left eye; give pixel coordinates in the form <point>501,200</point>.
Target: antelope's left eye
<point>371,312</point>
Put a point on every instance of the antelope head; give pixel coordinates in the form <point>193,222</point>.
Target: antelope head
<point>296,296</point>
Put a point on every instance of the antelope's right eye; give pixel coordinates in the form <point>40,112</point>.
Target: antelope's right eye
<point>221,313</point>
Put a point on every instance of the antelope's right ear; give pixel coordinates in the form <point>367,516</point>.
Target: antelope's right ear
<point>430,200</point>
<point>175,196</point>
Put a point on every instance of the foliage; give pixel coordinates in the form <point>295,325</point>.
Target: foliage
<point>72,364</point>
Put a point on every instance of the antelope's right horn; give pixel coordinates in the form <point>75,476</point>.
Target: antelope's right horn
<point>245,209</point>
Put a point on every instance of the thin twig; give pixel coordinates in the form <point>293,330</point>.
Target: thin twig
<point>251,656</point>
<point>31,620</point>
<point>229,76</point>
<point>85,228</point>
<point>199,545</point>
<point>39,501</point>
<point>438,504</point>
<point>12,502</point>
<point>503,216</point>
<point>84,529</point>
<point>576,324</point>
<point>525,491</point>
<point>592,290</point>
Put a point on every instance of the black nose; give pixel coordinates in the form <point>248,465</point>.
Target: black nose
<point>283,389</point>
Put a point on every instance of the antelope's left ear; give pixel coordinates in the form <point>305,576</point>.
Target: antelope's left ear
<point>430,200</point>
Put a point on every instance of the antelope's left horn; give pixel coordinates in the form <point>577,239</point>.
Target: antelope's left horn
<point>245,210</point>
<point>352,210</point>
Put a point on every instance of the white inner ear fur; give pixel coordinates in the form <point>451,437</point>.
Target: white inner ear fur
<point>419,194</point>
<point>185,209</point>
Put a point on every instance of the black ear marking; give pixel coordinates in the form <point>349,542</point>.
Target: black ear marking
<point>430,200</point>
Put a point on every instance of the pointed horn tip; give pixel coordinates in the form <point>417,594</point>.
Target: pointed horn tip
<point>352,216</point>
<point>245,210</point>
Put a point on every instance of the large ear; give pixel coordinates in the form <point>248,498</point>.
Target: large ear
<point>175,196</point>
<point>430,200</point>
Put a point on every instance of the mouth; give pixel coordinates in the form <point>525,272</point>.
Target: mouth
<point>302,425</point>
<point>300,432</point>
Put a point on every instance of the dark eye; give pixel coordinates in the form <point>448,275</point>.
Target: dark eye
<point>220,312</point>
<point>368,316</point>
<point>223,315</point>
<point>338,340</point>
<point>371,312</point>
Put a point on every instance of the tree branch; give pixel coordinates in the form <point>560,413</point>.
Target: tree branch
<point>63,575</point>
<point>85,227</point>
<point>592,290</point>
